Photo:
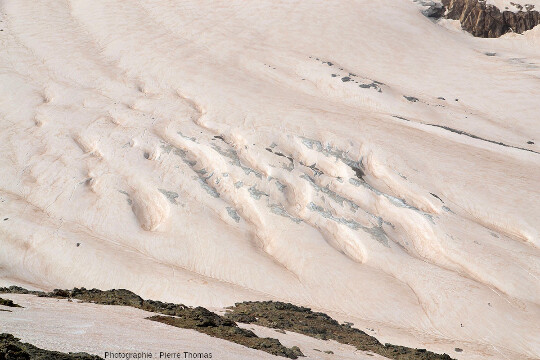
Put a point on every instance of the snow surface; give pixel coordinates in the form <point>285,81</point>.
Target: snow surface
<point>515,6</point>
<point>503,5</point>
<point>203,152</point>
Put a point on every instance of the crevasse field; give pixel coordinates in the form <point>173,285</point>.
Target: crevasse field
<point>350,156</point>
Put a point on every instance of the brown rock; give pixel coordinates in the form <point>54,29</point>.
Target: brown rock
<point>484,20</point>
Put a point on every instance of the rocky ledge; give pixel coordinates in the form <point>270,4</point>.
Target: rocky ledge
<point>276,315</point>
<point>8,303</point>
<point>11,348</point>
<point>178,315</point>
<point>302,320</point>
<point>485,20</point>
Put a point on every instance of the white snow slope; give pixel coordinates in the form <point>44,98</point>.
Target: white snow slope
<point>207,152</point>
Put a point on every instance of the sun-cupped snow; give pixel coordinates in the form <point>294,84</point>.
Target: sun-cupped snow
<point>354,157</point>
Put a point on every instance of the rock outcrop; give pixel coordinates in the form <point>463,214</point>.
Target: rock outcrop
<point>9,303</point>
<point>488,21</point>
<point>271,314</point>
<point>178,315</point>
<point>302,320</point>
<point>11,348</point>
